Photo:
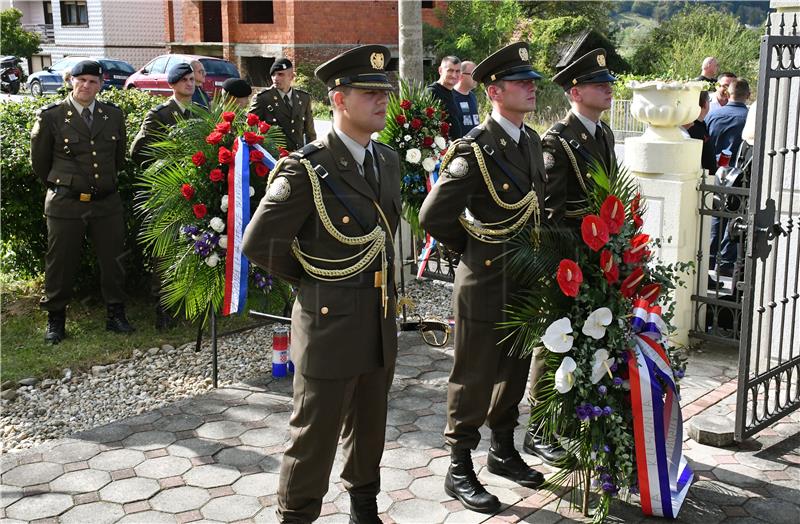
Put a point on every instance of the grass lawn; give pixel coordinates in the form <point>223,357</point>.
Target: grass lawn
<point>23,352</point>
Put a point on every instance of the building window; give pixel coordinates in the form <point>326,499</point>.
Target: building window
<point>257,12</point>
<point>427,5</point>
<point>74,13</point>
<point>48,12</point>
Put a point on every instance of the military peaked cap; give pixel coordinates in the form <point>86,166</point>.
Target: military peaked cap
<point>87,67</point>
<point>237,87</point>
<point>588,69</point>
<point>363,67</point>
<point>178,71</point>
<point>281,64</point>
<point>509,63</point>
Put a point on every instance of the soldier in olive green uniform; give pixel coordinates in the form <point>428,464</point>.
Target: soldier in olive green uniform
<point>286,106</point>
<point>569,147</point>
<point>326,224</point>
<point>77,148</point>
<point>496,173</point>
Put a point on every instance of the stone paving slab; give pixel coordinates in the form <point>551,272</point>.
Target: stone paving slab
<point>216,458</point>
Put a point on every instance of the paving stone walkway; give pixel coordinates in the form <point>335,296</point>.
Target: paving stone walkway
<point>216,458</point>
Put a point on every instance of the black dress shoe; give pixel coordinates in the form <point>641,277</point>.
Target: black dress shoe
<point>364,510</point>
<point>117,322</point>
<point>504,460</point>
<point>551,454</point>
<point>462,484</point>
<point>56,331</point>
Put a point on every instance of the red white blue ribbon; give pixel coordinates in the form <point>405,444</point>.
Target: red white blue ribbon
<point>236,264</point>
<point>268,160</point>
<point>664,474</point>
<point>430,242</point>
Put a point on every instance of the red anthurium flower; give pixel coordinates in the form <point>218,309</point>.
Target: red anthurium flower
<point>198,159</point>
<point>223,127</point>
<point>416,123</point>
<point>199,210</point>
<point>637,220</point>
<point>444,128</point>
<point>613,214</point>
<point>252,138</point>
<point>216,175</point>
<point>214,138</point>
<point>400,119</point>
<point>609,267</point>
<point>228,116</point>
<point>405,104</point>
<point>638,249</point>
<point>261,170</point>
<point>635,203</point>
<point>650,293</point>
<point>225,155</point>
<point>187,191</point>
<point>632,282</point>
<point>569,277</point>
<point>427,141</point>
<point>282,152</point>
<point>256,155</point>
<point>429,112</point>
<point>252,120</point>
<point>594,232</point>
<point>263,127</point>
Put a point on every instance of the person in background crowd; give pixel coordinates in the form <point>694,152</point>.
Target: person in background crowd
<point>722,93</point>
<point>465,98</point>
<point>709,70</point>
<point>699,130</point>
<point>442,89</point>
<point>199,96</point>
<point>239,90</point>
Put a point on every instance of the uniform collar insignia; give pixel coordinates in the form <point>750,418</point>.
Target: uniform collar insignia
<point>343,161</point>
<point>382,157</point>
<point>503,142</point>
<point>584,137</point>
<point>69,113</point>
<point>105,117</point>
<point>99,110</point>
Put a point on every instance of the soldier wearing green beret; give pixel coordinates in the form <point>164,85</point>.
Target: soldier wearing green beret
<point>77,148</point>
<point>326,224</point>
<point>496,173</point>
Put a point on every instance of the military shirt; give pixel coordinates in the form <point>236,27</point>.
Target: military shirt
<point>157,122</point>
<point>297,121</point>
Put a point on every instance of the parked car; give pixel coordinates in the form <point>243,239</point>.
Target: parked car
<point>153,76</point>
<point>49,79</point>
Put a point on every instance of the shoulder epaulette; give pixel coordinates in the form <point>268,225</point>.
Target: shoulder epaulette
<point>48,107</point>
<point>557,128</point>
<point>308,149</point>
<point>159,107</point>
<point>301,91</point>
<point>384,145</point>
<point>474,133</point>
<point>264,90</point>
<point>112,104</point>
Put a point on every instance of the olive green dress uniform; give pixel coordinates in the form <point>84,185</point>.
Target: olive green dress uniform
<point>157,122</point>
<point>297,121</point>
<point>79,166</point>
<point>344,337</point>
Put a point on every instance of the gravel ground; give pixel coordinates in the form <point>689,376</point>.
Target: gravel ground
<point>153,377</point>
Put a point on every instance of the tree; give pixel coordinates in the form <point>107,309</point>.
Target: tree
<point>14,40</point>
<point>410,21</point>
<point>597,13</point>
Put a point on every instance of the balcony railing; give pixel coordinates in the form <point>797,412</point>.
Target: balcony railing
<point>45,32</point>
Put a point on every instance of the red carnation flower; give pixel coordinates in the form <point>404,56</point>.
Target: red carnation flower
<point>405,104</point>
<point>427,141</point>
<point>429,112</point>
<point>214,138</point>
<point>569,277</point>
<point>262,170</point>
<point>594,232</point>
<point>416,123</point>
<point>256,155</point>
<point>199,210</point>
<point>609,267</point>
<point>252,138</point>
<point>263,127</point>
<point>631,283</point>
<point>638,249</point>
<point>228,116</point>
<point>198,159</point>
<point>252,120</point>
<point>282,152</point>
<point>444,128</point>
<point>650,293</point>
<point>216,175</point>
<point>187,191</point>
<point>225,155</point>
<point>400,119</point>
<point>613,214</point>
<point>223,127</point>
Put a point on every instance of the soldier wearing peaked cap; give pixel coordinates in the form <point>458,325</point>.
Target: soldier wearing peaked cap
<point>284,105</point>
<point>496,173</point>
<point>327,224</point>
<point>77,149</point>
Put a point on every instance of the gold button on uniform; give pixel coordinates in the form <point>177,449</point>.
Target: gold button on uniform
<point>66,140</point>
<point>487,262</point>
<point>58,180</point>
<point>91,142</point>
<point>96,175</point>
<point>505,187</point>
<point>95,165</point>
<point>345,219</point>
<point>94,153</point>
<point>324,310</point>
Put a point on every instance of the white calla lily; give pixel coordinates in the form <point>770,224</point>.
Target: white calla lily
<point>595,325</point>
<point>558,336</point>
<point>564,377</point>
<point>601,366</point>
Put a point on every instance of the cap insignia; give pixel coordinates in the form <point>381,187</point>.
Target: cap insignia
<point>523,54</point>
<point>376,59</point>
<point>601,60</point>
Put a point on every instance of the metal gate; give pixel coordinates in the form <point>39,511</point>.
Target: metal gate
<point>769,347</point>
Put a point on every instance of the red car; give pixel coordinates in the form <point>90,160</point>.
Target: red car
<point>153,76</point>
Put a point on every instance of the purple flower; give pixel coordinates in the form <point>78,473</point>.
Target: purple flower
<point>609,487</point>
<point>607,410</point>
<point>602,390</point>
<point>618,381</point>
<point>605,477</point>
<point>597,411</point>
<point>613,367</point>
<point>634,489</point>
<point>606,448</point>
<point>679,373</point>
<point>584,411</point>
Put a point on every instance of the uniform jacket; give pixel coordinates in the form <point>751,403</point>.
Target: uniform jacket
<point>297,122</point>
<point>338,328</point>
<point>158,121</point>
<point>482,283</point>
<point>71,159</point>
<point>566,197</point>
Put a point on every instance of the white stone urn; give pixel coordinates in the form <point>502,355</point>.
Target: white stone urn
<point>665,106</point>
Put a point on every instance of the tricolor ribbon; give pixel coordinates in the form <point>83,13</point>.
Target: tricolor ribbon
<point>664,474</point>
<point>236,264</point>
<point>430,242</point>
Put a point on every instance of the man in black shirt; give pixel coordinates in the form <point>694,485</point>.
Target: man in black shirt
<point>449,75</point>
<point>465,99</point>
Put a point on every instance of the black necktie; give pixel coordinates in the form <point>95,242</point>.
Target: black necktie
<point>524,146</point>
<point>369,173</point>
<point>87,117</point>
<point>287,101</point>
<point>598,133</point>
<point>601,142</point>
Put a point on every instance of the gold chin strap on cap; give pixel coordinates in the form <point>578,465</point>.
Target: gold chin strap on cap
<point>503,230</point>
<point>373,243</point>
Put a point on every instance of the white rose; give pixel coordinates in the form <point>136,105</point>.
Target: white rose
<point>440,142</point>
<point>252,191</point>
<point>413,156</point>
<point>407,138</point>
<point>223,241</point>
<point>223,205</point>
<point>217,224</point>
<point>429,164</point>
<point>212,260</point>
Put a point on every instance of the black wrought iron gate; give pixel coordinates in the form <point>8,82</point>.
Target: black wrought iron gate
<point>769,345</point>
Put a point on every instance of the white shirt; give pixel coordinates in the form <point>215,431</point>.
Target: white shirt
<point>590,126</point>
<point>284,95</point>
<point>80,107</point>
<point>357,150</point>
<point>181,106</point>
<point>510,129</point>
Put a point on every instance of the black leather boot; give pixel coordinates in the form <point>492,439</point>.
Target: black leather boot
<point>364,509</point>
<point>117,321</point>
<point>551,454</point>
<point>504,460</point>
<point>462,484</point>
<point>163,319</point>
<point>56,331</point>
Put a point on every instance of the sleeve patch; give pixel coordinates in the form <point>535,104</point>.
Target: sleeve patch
<point>457,168</point>
<point>549,160</point>
<point>279,190</point>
